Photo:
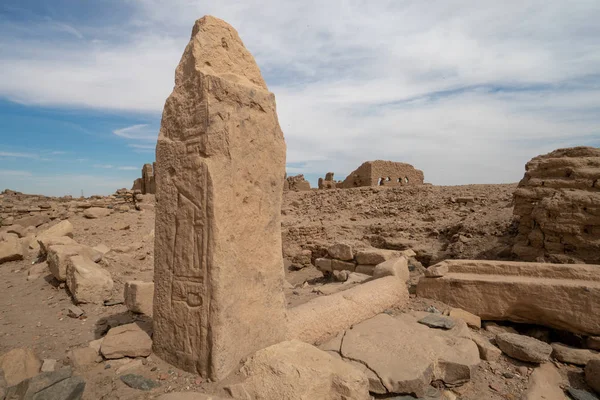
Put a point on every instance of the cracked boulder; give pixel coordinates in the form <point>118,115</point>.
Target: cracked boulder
<point>404,356</point>
<point>297,370</point>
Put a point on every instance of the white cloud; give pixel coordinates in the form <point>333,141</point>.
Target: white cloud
<point>128,168</point>
<point>136,132</point>
<point>104,166</point>
<point>466,91</point>
<point>17,154</point>
<point>9,172</point>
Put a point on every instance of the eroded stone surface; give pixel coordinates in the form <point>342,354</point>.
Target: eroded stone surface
<point>407,356</point>
<point>18,365</point>
<point>139,297</point>
<point>297,370</point>
<point>545,384</point>
<point>565,297</point>
<point>592,375</point>
<point>557,206</point>
<point>523,347</point>
<point>572,355</point>
<point>219,174</point>
<point>87,281</point>
<point>131,340</point>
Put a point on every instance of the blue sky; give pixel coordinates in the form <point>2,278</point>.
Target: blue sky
<point>466,91</point>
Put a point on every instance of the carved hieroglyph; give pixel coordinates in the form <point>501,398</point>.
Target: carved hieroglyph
<point>219,174</point>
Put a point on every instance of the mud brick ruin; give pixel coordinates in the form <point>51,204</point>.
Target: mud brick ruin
<point>147,183</point>
<point>328,182</point>
<point>558,209</point>
<point>296,183</point>
<point>383,173</point>
<point>218,262</point>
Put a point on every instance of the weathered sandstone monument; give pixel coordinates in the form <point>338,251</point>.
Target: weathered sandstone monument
<point>383,173</point>
<point>147,183</point>
<point>220,172</point>
<point>558,206</point>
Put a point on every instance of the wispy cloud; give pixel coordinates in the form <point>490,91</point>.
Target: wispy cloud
<point>58,153</point>
<point>104,166</point>
<point>17,155</point>
<point>128,168</point>
<point>10,172</point>
<point>142,146</point>
<point>137,132</point>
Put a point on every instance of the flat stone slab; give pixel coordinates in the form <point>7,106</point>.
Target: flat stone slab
<point>406,356</point>
<point>437,321</point>
<point>523,347</point>
<point>139,382</point>
<point>561,296</point>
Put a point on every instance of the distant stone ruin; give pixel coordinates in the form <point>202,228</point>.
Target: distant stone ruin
<point>558,206</point>
<point>383,173</point>
<point>328,182</point>
<point>296,183</point>
<point>146,184</point>
<point>221,167</point>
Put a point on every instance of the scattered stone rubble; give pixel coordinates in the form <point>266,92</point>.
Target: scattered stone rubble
<point>328,182</point>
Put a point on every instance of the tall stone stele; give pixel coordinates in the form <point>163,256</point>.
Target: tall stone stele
<point>220,167</point>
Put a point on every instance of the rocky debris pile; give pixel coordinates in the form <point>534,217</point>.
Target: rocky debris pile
<point>537,293</point>
<point>296,183</point>
<point>557,205</point>
<point>342,257</point>
<point>434,221</point>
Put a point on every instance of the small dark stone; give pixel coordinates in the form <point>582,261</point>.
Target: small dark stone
<point>508,375</point>
<point>437,321</point>
<point>109,303</point>
<point>580,394</point>
<point>139,382</point>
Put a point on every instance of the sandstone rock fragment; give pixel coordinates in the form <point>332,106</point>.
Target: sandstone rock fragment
<point>323,264</point>
<point>131,340</point>
<point>320,319</point>
<point>82,357</point>
<point>63,228</point>
<point>471,319</point>
<point>407,356</point>
<point>87,281</point>
<point>57,385</point>
<point>46,241</point>
<point>572,355</point>
<point>397,267</point>
<point>96,212</point>
<point>375,256</point>
<point>524,348</point>
<point>296,370</point>
<point>58,258</point>
<point>18,365</point>
<point>139,297</point>
<point>592,374</point>
<point>10,250</point>
<point>220,169</point>
<point>487,351</point>
<point>341,251</point>
<point>545,384</point>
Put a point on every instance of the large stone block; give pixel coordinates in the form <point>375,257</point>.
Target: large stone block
<point>139,297</point>
<point>10,249</point>
<point>320,319</point>
<point>58,257</point>
<point>18,365</point>
<point>219,175</point>
<point>561,296</point>
<point>87,281</point>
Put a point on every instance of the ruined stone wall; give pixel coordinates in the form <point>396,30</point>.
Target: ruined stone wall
<point>297,183</point>
<point>383,173</point>
<point>328,182</point>
<point>558,206</point>
<point>147,183</point>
